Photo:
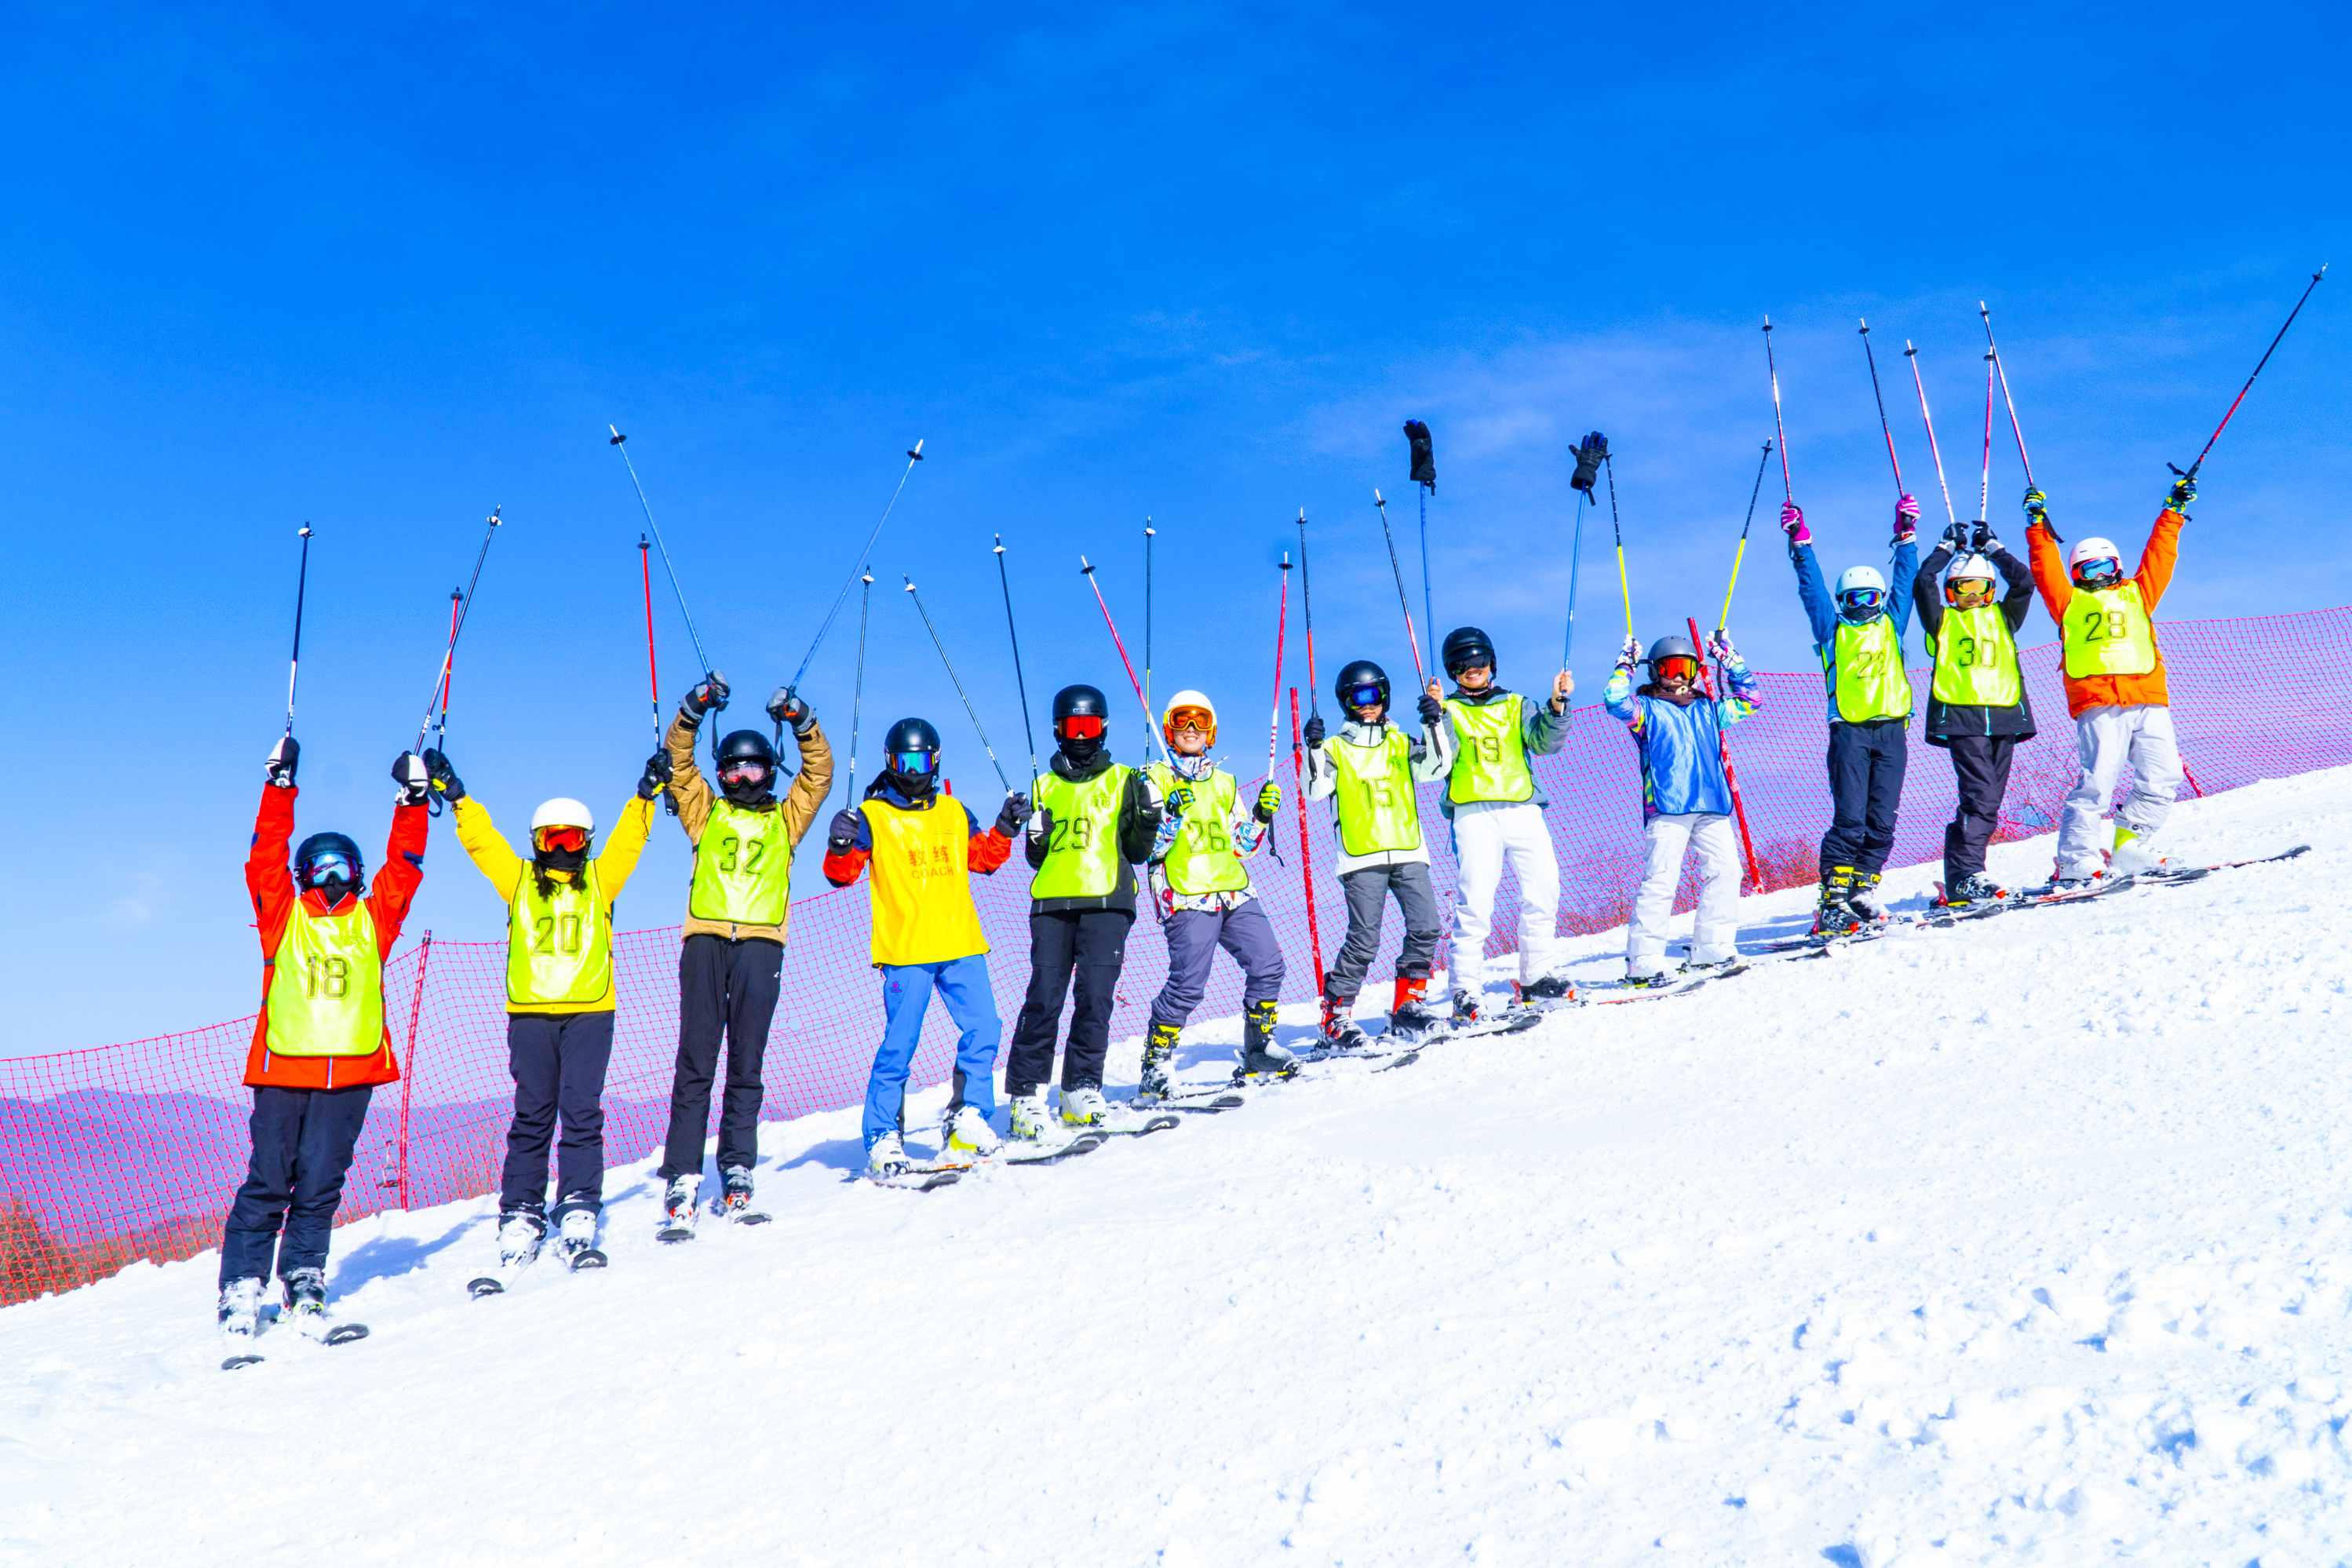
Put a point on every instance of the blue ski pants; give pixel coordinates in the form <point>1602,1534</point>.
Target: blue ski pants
<point>302,1143</point>
<point>907,988</point>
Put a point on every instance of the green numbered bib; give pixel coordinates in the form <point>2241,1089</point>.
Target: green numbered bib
<point>2107,633</point>
<point>1201,859</point>
<point>1492,763</point>
<point>326,988</point>
<point>1976,659</point>
<point>559,949</point>
<point>1866,672</point>
<point>1374,794</point>
<point>743,867</point>
<point>1082,855</point>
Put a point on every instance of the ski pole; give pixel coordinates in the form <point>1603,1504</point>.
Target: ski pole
<point>653,668</point>
<point>1021,680</point>
<point>301,587</point>
<point>1423,473</point>
<point>441,724</point>
<point>1411,637</point>
<point>1610,463</point>
<point>1754,882</point>
<point>958,684</point>
<point>2001,371</point>
<point>2191,470</point>
<point>1427,614</point>
<point>914,455</point>
<point>1984,487</point>
<point>1741,553</point>
<point>1149,533</point>
<point>1929,420</point>
<point>1886,429</point>
<point>669,566</point>
<point>1150,726</point>
<point>1306,607</point>
<point>1780,431</point>
<point>1281,625</point>
<point>450,655</point>
<point>1306,860</point>
<point>857,692</point>
<point>1575,563</point>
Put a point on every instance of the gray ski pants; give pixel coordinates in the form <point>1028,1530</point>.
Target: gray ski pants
<point>1193,938</point>
<point>1368,890</point>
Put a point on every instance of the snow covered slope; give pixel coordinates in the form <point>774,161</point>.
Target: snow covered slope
<point>2021,1242</point>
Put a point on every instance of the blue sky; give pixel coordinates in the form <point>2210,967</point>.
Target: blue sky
<point>382,268</point>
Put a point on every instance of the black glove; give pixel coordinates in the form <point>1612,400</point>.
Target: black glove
<point>1424,461</point>
<point>786,707</point>
<point>283,758</point>
<point>1015,813</point>
<point>710,694</point>
<point>656,775</point>
<point>1981,540</point>
<point>2183,496</point>
<point>1588,462</point>
<point>408,771</point>
<point>1957,536</point>
<point>841,836</point>
<point>1315,730</point>
<point>1430,709</point>
<point>444,778</point>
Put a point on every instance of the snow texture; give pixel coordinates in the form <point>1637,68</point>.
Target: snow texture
<point>2021,1242</point>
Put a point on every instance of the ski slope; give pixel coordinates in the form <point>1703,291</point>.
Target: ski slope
<point>2021,1242</point>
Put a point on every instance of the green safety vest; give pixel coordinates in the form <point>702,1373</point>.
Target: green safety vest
<point>743,867</point>
<point>1374,794</point>
<point>1864,668</point>
<point>1201,859</point>
<point>2107,633</point>
<point>1981,671</point>
<point>326,985</point>
<point>1493,761</point>
<point>1082,858</point>
<point>559,949</point>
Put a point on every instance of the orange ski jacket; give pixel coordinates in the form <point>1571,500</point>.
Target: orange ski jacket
<point>2156,560</point>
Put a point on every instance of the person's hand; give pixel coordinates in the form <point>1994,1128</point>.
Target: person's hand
<point>1589,454</point>
<point>1982,542</point>
<point>1720,649</point>
<point>1907,518</point>
<point>1630,655</point>
<point>1180,800</point>
<point>2037,506</point>
<point>841,834</point>
<point>1041,830</point>
<point>1315,730</point>
<point>655,778</point>
<point>1792,523</point>
<point>415,783</point>
<point>445,777</point>
<point>1016,812</point>
<point>1563,687</point>
<point>284,757</point>
<point>709,693</point>
<point>1430,708</point>
<point>1269,801</point>
<point>2183,495</point>
<point>788,706</point>
<point>1957,537</point>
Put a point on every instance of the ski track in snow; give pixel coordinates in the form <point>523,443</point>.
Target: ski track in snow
<point>2019,1242</point>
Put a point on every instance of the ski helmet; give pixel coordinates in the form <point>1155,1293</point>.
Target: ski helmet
<point>1673,647</point>
<point>2084,563</point>
<point>1194,702</point>
<point>1968,569</point>
<point>1466,647</point>
<point>1080,702</point>
<point>910,755</point>
<point>1357,678</point>
<point>738,753</point>
<point>1860,592</point>
<point>327,855</point>
<point>563,811</point>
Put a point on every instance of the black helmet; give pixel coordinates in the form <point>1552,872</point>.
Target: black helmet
<point>1071,702</point>
<point>1467,646</point>
<point>911,737</point>
<point>1356,677</point>
<point>1669,647</point>
<point>323,851</point>
<point>746,746</point>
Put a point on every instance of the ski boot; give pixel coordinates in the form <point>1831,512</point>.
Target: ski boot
<point>888,1157</point>
<point>1542,988</point>
<point>1652,980</point>
<point>1409,1014</point>
<point>735,1197</point>
<point>306,1302</point>
<point>1465,1008</point>
<point>1863,898</point>
<point>1341,1030</point>
<point>966,1136</point>
<point>520,1233</point>
<point>1031,1118</point>
<point>1260,1056</point>
<point>240,1311</point>
<point>575,1239</point>
<point>2131,854</point>
<point>1973,891</point>
<point>679,1209</point>
<point>1835,916</point>
<point>1159,1050</point>
<point>2080,876</point>
<point>1084,1107</point>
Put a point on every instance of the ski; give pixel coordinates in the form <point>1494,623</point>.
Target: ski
<point>1214,1103</point>
<point>919,1178</point>
<point>587,1258</point>
<point>1143,1124</point>
<point>1680,983</point>
<point>248,1358</point>
<point>485,1285</point>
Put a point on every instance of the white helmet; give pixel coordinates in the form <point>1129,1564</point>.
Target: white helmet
<point>563,811</point>
<point>1860,577</point>
<point>1968,566</point>
<point>2095,549</point>
<point>1182,699</point>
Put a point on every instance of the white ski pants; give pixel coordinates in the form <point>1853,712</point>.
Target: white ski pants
<point>1486,834</point>
<point>2141,734</point>
<point>1714,932</point>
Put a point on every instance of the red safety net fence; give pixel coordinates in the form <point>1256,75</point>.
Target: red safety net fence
<point>133,1151</point>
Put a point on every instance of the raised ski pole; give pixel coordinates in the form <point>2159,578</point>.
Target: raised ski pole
<point>653,665</point>
<point>1281,626</point>
<point>1305,858</point>
<point>1741,554</point>
<point>1151,726</point>
<point>1623,589</point>
<point>1149,532</point>
<point>1411,637</point>
<point>1884,428</point>
<point>1424,474</point>
<point>1984,486</point>
<point>1929,420</point>
<point>301,587</point>
<point>449,654</point>
<point>669,566</point>
<point>1020,679</point>
<point>1306,608</point>
<point>1780,432</point>
<point>441,723</point>
<point>857,692</point>
<point>1754,882</point>
<point>1575,565</point>
<point>954,680</point>
<point>2001,371</point>
<point>2190,471</point>
<point>914,455</point>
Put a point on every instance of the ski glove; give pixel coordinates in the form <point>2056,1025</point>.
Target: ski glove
<point>1269,801</point>
<point>1720,649</point>
<point>711,693</point>
<point>2037,506</point>
<point>841,835</point>
<point>1792,523</point>
<point>1589,455</point>
<point>1431,710</point>
<point>415,783</point>
<point>1907,518</point>
<point>2183,496</point>
<point>787,708</point>
<point>1314,732</point>
<point>1016,812</point>
<point>1180,800</point>
<point>1424,461</point>
<point>656,775</point>
<point>1041,830</point>
<point>283,758</point>
<point>445,777</point>
<point>1982,541</point>
<point>1956,537</point>
<point>1630,655</point>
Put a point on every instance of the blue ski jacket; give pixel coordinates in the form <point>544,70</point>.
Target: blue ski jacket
<point>1821,605</point>
<point>1681,745</point>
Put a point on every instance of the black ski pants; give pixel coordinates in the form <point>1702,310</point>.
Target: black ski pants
<point>1866,764</point>
<point>1368,891</point>
<point>1092,945</point>
<point>302,1141</point>
<point>724,987</point>
<point>558,1061</point>
<point>1981,765</point>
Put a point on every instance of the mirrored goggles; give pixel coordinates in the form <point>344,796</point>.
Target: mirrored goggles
<point>565,838</point>
<point>1955,587</point>
<point>1677,666</point>
<point>1079,727</point>
<point>744,772</point>
<point>2103,572</point>
<point>319,867</point>
<point>1366,697</point>
<point>1185,719</point>
<point>1855,599</point>
<point>912,763</point>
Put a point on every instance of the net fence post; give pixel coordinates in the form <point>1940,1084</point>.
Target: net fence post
<point>408,1078</point>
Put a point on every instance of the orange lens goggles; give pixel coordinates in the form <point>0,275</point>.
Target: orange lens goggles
<point>1190,718</point>
<point>1677,666</point>
<point>562,838</point>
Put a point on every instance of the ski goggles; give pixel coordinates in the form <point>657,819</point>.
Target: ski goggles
<point>1677,666</point>
<point>1196,718</point>
<point>1955,589</point>
<point>564,838</point>
<point>2103,572</point>
<point>910,764</point>
<point>744,772</point>
<point>1855,600</point>
<point>1366,696</point>
<point>1079,727</point>
<point>319,867</point>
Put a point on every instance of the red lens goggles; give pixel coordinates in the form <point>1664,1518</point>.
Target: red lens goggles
<point>563,838</point>
<point>743,773</point>
<point>1677,666</point>
<point>1079,727</point>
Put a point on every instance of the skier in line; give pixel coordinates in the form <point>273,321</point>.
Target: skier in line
<point>1095,821</point>
<point>1858,636</point>
<point>1498,815</point>
<point>1685,797</point>
<point>321,1043</point>
<point>738,910</point>
<point>560,1000</point>
<point>1201,890</point>
<point>1368,774</point>
<point>2114,685</point>
<point>1977,706</point>
<point>923,844</point>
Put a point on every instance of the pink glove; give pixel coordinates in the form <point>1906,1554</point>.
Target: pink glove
<point>1907,518</point>
<point>1792,523</point>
